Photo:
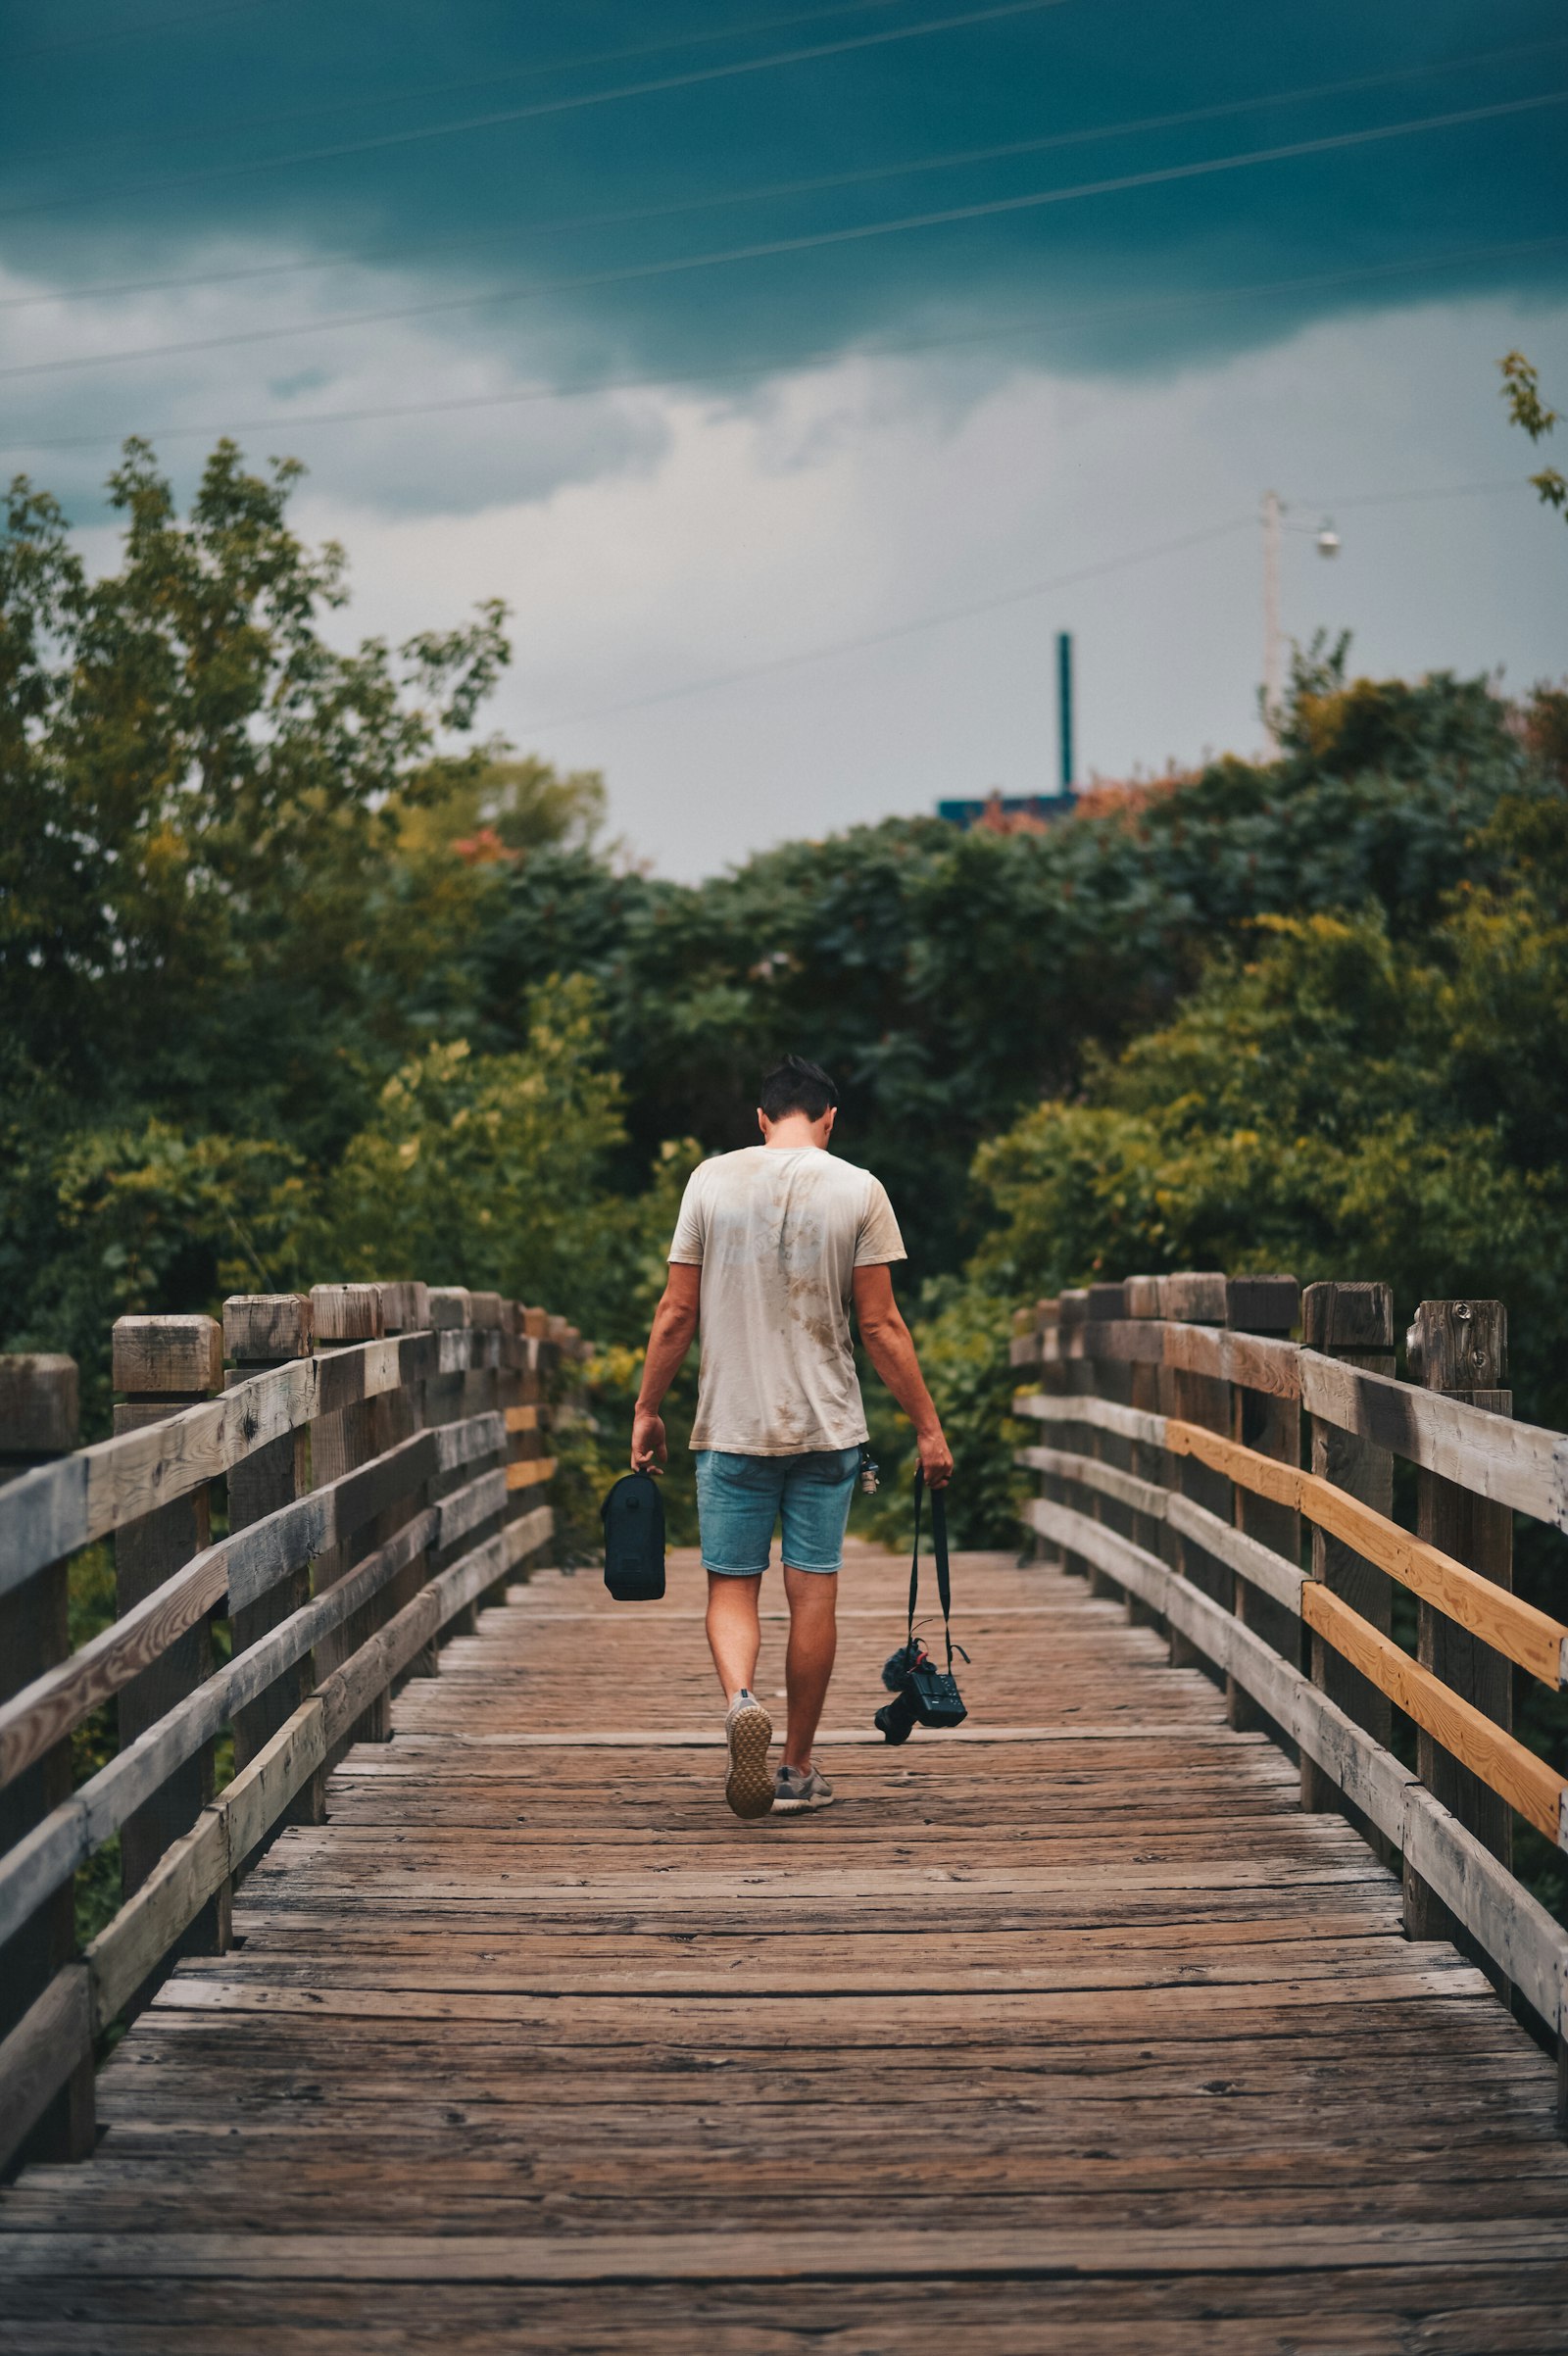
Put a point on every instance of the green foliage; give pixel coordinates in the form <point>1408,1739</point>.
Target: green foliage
<point>488,1170</point>
<point>961,1334</point>
<point>1521,390</point>
<point>949,980</point>
<point>1335,1102</point>
<point>503,811</point>
<point>199,834</point>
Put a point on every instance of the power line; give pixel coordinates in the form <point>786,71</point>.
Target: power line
<point>592,387</point>
<point>770,248</point>
<point>989,605</point>
<point>949,159</point>
<point>472,81</point>
<point>904,629</point>
<point>552,106</point>
<point>1387,499</point>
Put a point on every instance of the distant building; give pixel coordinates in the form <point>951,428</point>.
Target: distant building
<point>1010,813</point>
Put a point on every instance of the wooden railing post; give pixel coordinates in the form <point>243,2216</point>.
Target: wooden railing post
<point>1269,1306</point>
<point>163,1364</point>
<point>1078,1380</point>
<point>1050,1377</point>
<point>395,1416</point>
<point>445,1399</point>
<point>527,1412</point>
<point>1197,1296</point>
<point>38,1421</point>
<point>1461,1347</point>
<point>1150,1390</point>
<point>1354,1322</point>
<point>484,1394</point>
<point>340,1443</point>
<point>263,1330</point>
<point>1107,1377</point>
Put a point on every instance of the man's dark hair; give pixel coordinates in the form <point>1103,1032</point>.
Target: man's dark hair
<point>796,1086</point>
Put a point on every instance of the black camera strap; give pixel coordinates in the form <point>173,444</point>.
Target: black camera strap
<point>939,1548</point>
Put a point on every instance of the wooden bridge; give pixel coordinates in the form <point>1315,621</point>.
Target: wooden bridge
<point>462,2015</point>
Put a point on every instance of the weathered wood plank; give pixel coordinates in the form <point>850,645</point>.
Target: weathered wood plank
<point>1503,1764</point>
<point>241,1567</point>
<point>1368,1774</point>
<point>70,1834</point>
<point>890,2256</point>
<point>1519,1464</point>
<point>58,1508</point>
<point>1252,1560</point>
<point>1534,1638</point>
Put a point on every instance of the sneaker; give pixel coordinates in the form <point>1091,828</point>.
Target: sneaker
<point>749,1787</point>
<point>794,1792</point>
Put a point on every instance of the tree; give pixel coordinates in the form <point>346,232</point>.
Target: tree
<point>1521,390</point>
<point>197,794</point>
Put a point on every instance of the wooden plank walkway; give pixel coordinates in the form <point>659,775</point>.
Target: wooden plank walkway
<point>1075,2035</point>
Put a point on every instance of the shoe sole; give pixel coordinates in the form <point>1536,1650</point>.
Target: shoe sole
<point>802,1807</point>
<point>748,1785</point>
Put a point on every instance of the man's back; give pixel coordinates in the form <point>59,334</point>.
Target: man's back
<point>778,1233</point>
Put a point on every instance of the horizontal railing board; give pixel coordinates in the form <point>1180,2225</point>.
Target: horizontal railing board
<point>68,1836</point>
<point>1254,1360</point>
<point>241,1567</point>
<point>1063,1464</point>
<point>1495,1615</point>
<point>1502,1762</point>
<point>1517,1464</point>
<point>56,2034</point>
<point>59,1507</point>
<point>1270,1573</point>
<point>1259,1564</point>
<point>1511,1926</point>
<point>44,1712</point>
<point>1530,1637</point>
<point>1102,1414</point>
<point>1250,1359</point>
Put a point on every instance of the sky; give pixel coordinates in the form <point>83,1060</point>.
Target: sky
<point>796,372</point>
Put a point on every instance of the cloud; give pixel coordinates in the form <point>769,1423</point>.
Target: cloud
<point>858,496</point>
<point>484,444</point>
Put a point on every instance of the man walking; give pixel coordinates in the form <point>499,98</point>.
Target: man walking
<point>771,1246</point>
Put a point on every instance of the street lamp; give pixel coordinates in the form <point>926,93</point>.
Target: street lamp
<point>1328,545</point>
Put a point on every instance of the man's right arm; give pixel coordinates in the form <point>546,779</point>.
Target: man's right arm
<point>675,1325</point>
<point>890,1350</point>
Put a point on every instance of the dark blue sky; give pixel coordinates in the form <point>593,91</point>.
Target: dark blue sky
<point>787,532</point>
<point>122,152</point>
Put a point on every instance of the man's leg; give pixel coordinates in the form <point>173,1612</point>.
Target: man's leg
<point>809,1663</point>
<point>734,1630</point>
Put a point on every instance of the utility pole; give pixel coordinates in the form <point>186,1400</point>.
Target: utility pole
<point>1064,705</point>
<point>1273,684</point>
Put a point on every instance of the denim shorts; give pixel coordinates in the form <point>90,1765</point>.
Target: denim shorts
<point>738,1498</point>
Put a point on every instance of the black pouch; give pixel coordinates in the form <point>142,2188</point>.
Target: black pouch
<point>633,1516</point>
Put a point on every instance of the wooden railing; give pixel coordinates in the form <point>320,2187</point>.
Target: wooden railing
<point>378,1454</point>
<point>1190,1445</point>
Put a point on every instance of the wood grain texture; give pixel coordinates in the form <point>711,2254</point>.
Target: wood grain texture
<point>1368,1774</point>
<point>1532,1637</point>
<point>1503,1764</point>
<point>59,1507</point>
<point>532,2046</point>
<point>242,1568</point>
<point>1518,1464</point>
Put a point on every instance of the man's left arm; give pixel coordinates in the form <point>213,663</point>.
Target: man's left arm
<point>675,1325</point>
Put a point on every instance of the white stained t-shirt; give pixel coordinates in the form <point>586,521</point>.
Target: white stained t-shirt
<point>778,1232</point>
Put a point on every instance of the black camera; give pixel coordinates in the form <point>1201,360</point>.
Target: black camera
<point>922,1694</point>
